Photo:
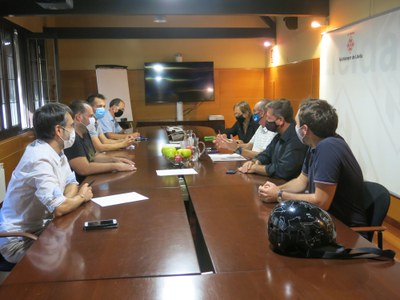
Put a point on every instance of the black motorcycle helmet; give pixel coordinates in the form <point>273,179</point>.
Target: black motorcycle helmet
<point>301,229</point>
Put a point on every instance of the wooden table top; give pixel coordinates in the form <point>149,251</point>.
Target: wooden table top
<point>153,239</point>
<point>152,255</point>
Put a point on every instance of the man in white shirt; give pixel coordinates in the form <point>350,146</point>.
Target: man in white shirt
<point>258,143</point>
<point>110,125</point>
<point>42,186</point>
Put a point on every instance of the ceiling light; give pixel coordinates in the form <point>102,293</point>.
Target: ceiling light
<point>267,44</point>
<point>159,19</point>
<point>315,24</point>
<point>320,22</point>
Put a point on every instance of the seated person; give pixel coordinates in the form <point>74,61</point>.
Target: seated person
<point>110,125</point>
<point>100,141</point>
<point>82,156</point>
<point>331,176</point>
<point>245,126</point>
<point>284,156</point>
<point>260,140</point>
<point>42,185</point>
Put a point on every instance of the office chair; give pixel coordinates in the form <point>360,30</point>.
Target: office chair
<point>6,266</point>
<point>376,201</point>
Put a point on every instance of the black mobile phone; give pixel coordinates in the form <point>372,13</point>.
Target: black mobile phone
<point>231,171</point>
<point>100,224</point>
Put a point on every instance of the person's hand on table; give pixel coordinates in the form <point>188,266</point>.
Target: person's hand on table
<point>249,166</point>
<point>268,192</point>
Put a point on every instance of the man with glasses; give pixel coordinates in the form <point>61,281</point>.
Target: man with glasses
<point>42,186</point>
<point>284,156</point>
<point>260,140</point>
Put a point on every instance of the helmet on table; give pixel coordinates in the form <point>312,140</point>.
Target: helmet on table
<point>299,228</point>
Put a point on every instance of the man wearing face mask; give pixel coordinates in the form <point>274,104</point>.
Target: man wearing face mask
<point>245,126</point>
<point>42,186</point>
<point>110,125</point>
<point>331,174</point>
<point>284,156</point>
<point>100,141</point>
<point>82,156</point>
<point>260,140</point>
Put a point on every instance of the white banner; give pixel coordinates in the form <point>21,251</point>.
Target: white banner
<point>360,76</point>
<point>113,83</point>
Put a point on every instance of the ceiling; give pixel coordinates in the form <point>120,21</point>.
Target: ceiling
<point>265,10</point>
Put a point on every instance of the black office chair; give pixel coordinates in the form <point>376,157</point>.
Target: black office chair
<point>6,266</point>
<point>376,200</point>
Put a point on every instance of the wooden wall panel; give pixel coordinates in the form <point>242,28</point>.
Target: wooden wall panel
<point>77,85</point>
<point>237,85</point>
<point>11,151</point>
<point>296,82</point>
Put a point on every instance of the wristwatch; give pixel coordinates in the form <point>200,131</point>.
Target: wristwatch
<point>239,150</point>
<point>279,198</point>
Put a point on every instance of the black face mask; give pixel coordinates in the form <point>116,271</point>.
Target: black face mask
<point>271,126</point>
<point>119,113</point>
<point>240,119</point>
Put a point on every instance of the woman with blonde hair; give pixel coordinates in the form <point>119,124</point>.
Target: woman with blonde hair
<point>245,126</point>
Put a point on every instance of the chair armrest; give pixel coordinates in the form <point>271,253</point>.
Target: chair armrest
<point>23,234</point>
<point>368,228</point>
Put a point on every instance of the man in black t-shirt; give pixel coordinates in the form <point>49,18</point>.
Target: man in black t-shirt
<point>82,156</point>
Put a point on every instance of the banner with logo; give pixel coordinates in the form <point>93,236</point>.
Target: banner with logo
<point>360,77</point>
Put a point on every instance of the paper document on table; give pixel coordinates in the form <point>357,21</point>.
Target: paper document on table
<point>119,199</point>
<point>226,157</point>
<point>170,172</point>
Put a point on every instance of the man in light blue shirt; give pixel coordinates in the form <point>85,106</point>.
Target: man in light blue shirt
<point>42,186</point>
<point>110,125</point>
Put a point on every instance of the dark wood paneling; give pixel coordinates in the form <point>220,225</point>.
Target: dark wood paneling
<point>177,7</point>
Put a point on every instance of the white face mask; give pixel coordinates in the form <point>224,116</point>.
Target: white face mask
<point>71,140</point>
<point>92,121</point>
<point>301,138</point>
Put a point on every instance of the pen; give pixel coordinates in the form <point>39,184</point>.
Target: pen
<point>91,182</point>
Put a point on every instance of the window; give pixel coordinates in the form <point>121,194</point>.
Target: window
<point>28,76</point>
<point>43,71</point>
<point>10,120</point>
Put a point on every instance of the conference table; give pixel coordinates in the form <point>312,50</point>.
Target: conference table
<point>197,236</point>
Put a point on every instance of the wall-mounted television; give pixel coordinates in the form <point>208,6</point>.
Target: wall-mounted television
<point>171,82</point>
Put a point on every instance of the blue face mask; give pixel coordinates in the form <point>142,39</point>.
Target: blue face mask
<point>99,113</point>
<point>256,118</point>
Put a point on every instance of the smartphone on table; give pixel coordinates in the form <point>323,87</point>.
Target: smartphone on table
<point>100,224</point>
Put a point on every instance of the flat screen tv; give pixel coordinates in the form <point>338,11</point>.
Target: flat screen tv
<point>170,82</point>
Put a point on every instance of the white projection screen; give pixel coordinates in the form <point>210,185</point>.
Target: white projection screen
<point>360,77</point>
<point>112,82</point>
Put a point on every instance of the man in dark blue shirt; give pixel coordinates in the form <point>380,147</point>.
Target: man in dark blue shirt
<point>284,156</point>
<point>331,176</point>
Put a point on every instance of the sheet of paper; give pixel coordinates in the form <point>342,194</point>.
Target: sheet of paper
<point>226,157</point>
<point>119,199</point>
<point>170,172</point>
<point>173,144</point>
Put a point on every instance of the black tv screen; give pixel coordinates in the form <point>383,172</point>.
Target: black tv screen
<point>168,82</point>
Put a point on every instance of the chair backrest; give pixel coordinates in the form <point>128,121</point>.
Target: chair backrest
<point>376,200</point>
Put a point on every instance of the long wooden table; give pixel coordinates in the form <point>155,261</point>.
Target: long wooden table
<point>158,252</point>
